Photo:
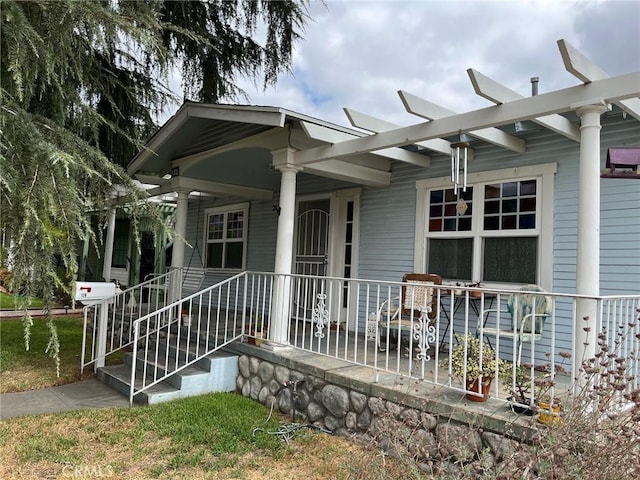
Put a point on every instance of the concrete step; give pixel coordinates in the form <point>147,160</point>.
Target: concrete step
<point>118,377</point>
<point>215,372</point>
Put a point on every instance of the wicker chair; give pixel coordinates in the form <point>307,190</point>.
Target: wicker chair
<point>400,313</point>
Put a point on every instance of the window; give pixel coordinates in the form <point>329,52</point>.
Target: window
<point>494,232</point>
<point>226,237</point>
<point>120,243</point>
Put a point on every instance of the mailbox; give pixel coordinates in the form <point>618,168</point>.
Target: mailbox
<point>90,293</point>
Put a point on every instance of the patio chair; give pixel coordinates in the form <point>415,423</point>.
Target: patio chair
<point>527,312</point>
<point>400,313</point>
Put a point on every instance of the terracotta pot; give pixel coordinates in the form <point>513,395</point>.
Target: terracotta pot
<point>472,386</point>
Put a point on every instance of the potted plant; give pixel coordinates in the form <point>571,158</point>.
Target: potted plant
<point>466,366</point>
<point>475,293</point>
<point>531,389</point>
<point>518,383</point>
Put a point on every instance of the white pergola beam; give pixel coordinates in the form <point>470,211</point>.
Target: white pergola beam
<point>350,172</point>
<point>425,109</point>
<point>151,179</point>
<point>377,125</point>
<point>328,135</point>
<point>581,67</point>
<point>499,94</point>
<point>609,90</point>
<point>193,184</point>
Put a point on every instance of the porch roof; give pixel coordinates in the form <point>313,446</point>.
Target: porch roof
<point>190,139</point>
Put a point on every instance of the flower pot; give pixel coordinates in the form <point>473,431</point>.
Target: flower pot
<point>549,415</point>
<point>472,386</point>
<point>521,405</point>
<point>259,337</point>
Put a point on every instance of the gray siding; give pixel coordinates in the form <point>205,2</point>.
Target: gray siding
<point>262,228</point>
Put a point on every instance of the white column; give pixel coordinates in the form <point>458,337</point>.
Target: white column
<point>588,244</point>
<point>179,242</point>
<point>108,245</point>
<point>279,322</point>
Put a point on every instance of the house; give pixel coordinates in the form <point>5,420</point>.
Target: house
<point>265,189</point>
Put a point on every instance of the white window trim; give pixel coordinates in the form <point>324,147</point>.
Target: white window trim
<point>544,212</point>
<point>226,209</point>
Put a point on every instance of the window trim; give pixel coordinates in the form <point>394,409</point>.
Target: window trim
<point>227,209</point>
<point>544,172</point>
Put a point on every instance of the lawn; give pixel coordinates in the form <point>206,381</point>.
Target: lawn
<point>28,370</point>
<point>9,302</point>
<point>210,436</point>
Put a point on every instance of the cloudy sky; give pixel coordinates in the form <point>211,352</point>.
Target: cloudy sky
<point>358,54</point>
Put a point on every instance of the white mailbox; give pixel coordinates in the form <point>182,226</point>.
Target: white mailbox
<point>90,293</point>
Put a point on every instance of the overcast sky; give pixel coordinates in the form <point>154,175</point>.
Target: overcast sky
<point>358,54</point>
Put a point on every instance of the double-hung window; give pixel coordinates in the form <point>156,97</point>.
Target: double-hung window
<point>499,230</point>
<point>226,237</point>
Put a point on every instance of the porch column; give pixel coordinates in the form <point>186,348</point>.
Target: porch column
<point>279,322</point>
<point>179,242</point>
<point>108,245</point>
<point>588,244</point>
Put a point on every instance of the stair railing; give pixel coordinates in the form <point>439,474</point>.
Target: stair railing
<point>176,336</point>
<point>108,325</point>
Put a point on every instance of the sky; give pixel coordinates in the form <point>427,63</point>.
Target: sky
<point>359,53</point>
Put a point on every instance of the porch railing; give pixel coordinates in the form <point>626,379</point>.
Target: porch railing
<point>346,319</point>
<point>108,325</point>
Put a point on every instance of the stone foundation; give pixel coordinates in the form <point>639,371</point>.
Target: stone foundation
<point>438,444</point>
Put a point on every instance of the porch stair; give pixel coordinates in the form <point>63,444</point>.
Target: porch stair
<point>215,372</point>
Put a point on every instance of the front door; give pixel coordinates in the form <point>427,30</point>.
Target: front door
<point>312,252</point>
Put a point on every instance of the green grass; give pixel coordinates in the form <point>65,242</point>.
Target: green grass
<point>209,433</point>
<point>26,370</point>
<point>11,302</point>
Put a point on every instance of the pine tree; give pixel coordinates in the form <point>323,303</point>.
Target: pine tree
<point>81,83</point>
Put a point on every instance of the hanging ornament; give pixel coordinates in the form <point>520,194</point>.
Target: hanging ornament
<point>461,206</point>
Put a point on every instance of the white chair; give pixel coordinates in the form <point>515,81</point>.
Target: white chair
<point>527,312</point>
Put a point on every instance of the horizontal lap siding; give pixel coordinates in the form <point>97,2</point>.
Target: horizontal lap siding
<point>262,228</point>
<point>619,216</point>
<point>387,218</point>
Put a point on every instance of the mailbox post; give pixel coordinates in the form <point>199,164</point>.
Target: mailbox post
<point>94,293</point>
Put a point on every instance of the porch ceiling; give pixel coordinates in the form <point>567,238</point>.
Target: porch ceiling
<point>232,144</point>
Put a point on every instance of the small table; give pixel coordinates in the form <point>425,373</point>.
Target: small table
<point>459,300</point>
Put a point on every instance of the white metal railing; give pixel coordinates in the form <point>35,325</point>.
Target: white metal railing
<point>108,325</point>
<point>348,319</point>
<point>351,319</point>
<point>181,333</point>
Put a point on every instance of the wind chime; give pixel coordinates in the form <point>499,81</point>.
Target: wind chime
<point>459,158</point>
